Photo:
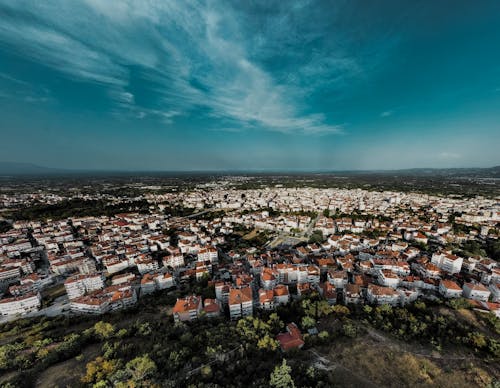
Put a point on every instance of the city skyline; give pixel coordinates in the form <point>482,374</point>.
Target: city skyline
<point>225,86</point>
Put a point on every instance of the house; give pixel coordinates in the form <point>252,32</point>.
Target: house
<point>487,307</point>
<point>291,339</point>
<point>281,294</point>
<point>382,295</point>
<point>175,259</point>
<point>408,296</point>
<point>108,299</point>
<point>164,281</point>
<point>240,302</point>
<point>449,289</point>
<point>352,293</point>
<point>211,308</point>
<point>147,284</point>
<point>387,278</point>
<point>187,309</point>
<point>304,289</point>
<point>476,291</point>
<point>337,278</point>
<point>122,278</point>
<point>146,264</point>
<point>9,275</point>
<point>222,291</point>
<point>313,274</point>
<point>266,299</point>
<point>327,290</point>
<point>268,278</point>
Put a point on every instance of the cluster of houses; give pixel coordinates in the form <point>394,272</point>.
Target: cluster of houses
<point>107,263</point>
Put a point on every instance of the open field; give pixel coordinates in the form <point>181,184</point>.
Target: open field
<point>378,360</point>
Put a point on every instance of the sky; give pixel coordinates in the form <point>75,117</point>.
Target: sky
<point>250,85</point>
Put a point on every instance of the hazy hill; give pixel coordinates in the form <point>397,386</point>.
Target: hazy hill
<point>14,168</point>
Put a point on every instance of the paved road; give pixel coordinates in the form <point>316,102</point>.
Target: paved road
<point>310,227</point>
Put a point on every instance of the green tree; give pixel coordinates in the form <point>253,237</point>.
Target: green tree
<point>323,335</point>
<point>280,377</point>
<point>460,303</point>
<point>340,310</point>
<point>267,343</point>
<point>206,372</point>
<point>275,323</point>
<point>104,329</point>
<point>308,322</point>
<point>100,369</point>
<point>316,237</point>
<point>141,367</point>
<point>349,330</point>
<point>477,340</point>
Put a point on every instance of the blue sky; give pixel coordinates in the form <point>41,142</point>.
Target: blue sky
<point>282,85</point>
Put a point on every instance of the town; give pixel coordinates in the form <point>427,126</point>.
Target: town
<point>350,246</point>
<point>266,256</point>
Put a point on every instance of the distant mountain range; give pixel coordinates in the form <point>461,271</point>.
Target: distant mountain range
<point>14,168</point>
<point>29,169</point>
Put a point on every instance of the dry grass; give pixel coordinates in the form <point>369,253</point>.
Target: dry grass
<point>69,372</point>
<point>251,235</point>
<point>365,361</point>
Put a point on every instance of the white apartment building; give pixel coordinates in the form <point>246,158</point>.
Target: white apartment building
<point>20,304</point>
<point>476,292</point>
<point>449,289</point>
<point>79,285</point>
<point>240,302</point>
<point>447,262</point>
<point>382,295</point>
<point>208,254</point>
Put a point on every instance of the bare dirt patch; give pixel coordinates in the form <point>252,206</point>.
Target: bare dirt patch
<point>69,372</point>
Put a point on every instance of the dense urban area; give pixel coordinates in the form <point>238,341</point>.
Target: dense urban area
<point>248,280</point>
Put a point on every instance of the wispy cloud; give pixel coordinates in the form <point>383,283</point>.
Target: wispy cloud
<point>386,113</point>
<point>449,155</point>
<point>23,90</point>
<point>193,55</point>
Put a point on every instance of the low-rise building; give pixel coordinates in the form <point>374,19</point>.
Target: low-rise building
<point>212,308</point>
<point>79,285</point>
<point>449,289</point>
<point>187,309</point>
<point>20,304</point>
<point>266,299</point>
<point>291,339</point>
<point>476,291</point>
<point>352,294</point>
<point>448,262</point>
<point>382,295</point>
<point>281,294</point>
<point>240,302</point>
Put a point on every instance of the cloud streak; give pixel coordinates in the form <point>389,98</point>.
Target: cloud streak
<point>193,54</point>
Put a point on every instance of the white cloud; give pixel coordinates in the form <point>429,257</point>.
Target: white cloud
<point>193,52</point>
<point>386,113</point>
<point>449,155</point>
